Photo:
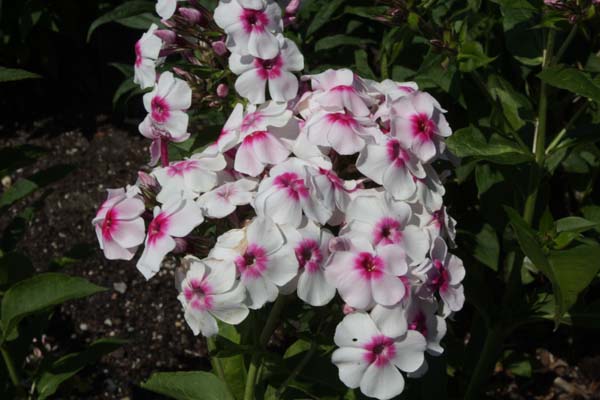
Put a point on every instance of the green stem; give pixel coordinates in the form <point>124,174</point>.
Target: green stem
<point>10,366</point>
<point>263,339</point>
<point>565,44</point>
<point>485,364</point>
<point>555,142</point>
<point>299,367</point>
<point>214,361</point>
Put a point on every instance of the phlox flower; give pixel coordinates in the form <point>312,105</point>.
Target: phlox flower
<point>332,191</point>
<point>343,132</point>
<point>311,246</point>
<point>429,190</point>
<point>371,356</point>
<point>210,292</point>
<point>419,124</point>
<point>251,26</point>
<point>254,73</point>
<point>389,164</point>
<point>284,196</point>
<point>439,223</point>
<point>445,274</point>
<point>385,221</point>
<point>224,200</point>
<point>147,51</point>
<point>166,105</point>
<point>421,316</point>
<point>262,257</point>
<point>176,219</point>
<point>119,225</point>
<point>166,8</point>
<point>337,90</point>
<point>365,276</point>
<point>192,176</point>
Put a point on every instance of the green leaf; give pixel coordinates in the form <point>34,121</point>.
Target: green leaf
<point>188,386</point>
<point>486,177</point>
<point>122,12</point>
<point>66,367</point>
<point>142,21</point>
<point>299,346</point>
<point>14,74</point>
<point>470,142</point>
<point>372,12</point>
<point>574,224</point>
<point>574,270</point>
<point>487,247</point>
<point>522,39</point>
<point>361,60</point>
<point>330,42</point>
<point>572,80</point>
<point>592,213</point>
<point>471,56</point>
<point>41,292</point>
<point>22,188</point>
<point>323,16</point>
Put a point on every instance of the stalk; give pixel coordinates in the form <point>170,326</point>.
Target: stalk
<point>10,366</point>
<point>215,362</point>
<point>485,365</point>
<point>164,152</point>
<point>264,337</point>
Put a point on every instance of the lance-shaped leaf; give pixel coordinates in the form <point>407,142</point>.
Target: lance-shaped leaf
<point>572,80</point>
<point>195,385</point>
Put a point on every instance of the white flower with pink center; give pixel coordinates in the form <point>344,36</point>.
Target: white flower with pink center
<point>421,316</point>
<point>209,292</point>
<point>191,177</point>
<point>224,200</point>
<point>147,51</point>
<point>439,223</point>
<point>251,26</point>
<point>264,261</point>
<point>176,219</point>
<point>419,124</point>
<point>343,132</point>
<point>445,274</point>
<point>370,356</point>
<point>230,133</point>
<point>166,8</point>
<point>284,196</point>
<point>160,138</point>
<point>365,276</point>
<point>389,164</point>
<point>119,225</point>
<point>257,150</point>
<point>338,90</point>
<point>166,105</point>
<point>430,190</point>
<point>311,246</point>
<point>385,221</point>
<point>333,192</point>
<point>255,73</point>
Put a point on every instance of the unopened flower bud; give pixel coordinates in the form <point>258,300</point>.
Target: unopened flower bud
<point>146,180</point>
<point>222,90</point>
<point>192,15</point>
<point>180,245</point>
<point>219,47</point>
<point>292,7</point>
<point>166,35</point>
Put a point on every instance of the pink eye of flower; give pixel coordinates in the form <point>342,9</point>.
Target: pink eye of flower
<point>138,53</point>
<point>369,266</point>
<point>109,224</point>
<point>160,109</point>
<point>293,184</point>
<point>387,231</point>
<point>308,255</point>
<point>441,279</point>
<point>199,295</point>
<point>254,20</point>
<point>380,350</point>
<point>270,68</point>
<point>396,153</point>
<point>157,228</point>
<point>253,262</point>
<point>341,118</point>
<point>423,128</point>
<point>343,88</point>
<point>419,324</point>
<point>179,168</point>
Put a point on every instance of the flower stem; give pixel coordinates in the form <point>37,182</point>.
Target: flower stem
<point>485,364</point>
<point>556,141</point>
<point>299,367</point>
<point>263,339</point>
<point>10,366</point>
<point>164,152</point>
<point>214,361</point>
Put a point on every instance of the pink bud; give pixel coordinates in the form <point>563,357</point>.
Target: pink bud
<point>348,310</point>
<point>339,244</point>
<point>166,35</point>
<point>222,90</point>
<point>292,7</point>
<point>146,180</point>
<point>288,20</point>
<point>219,47</point>
<point>192,15</point>
<point>180,245</point>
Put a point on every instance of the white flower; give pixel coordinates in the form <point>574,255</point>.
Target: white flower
<point>371,356</point>
<point>147,51</point>
<point>446,272</point>
<point>210,292</point>
<point>224,200</point>
<point>166,8</point>
<point>254,73</point>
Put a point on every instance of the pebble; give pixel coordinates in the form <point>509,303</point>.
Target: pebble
<point>120,287</point>
<point>108,322</point>
<point>83,327</point>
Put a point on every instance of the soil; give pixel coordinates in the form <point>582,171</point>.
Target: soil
<point>147,313</point>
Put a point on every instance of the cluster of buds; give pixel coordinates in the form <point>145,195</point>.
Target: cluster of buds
<point>325,193</point>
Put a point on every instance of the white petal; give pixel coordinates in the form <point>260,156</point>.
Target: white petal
<point>351,364</point>
<point>390,320</point>
<point>284,87</point>
<point>260,291</point>
<point>149,262</point>
<point>410,352</point>
<point>355,330</point>
<point>382,382</point>
<point>314,289</point>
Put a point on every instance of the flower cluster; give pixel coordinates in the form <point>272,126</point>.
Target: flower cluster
<point>329,191</point>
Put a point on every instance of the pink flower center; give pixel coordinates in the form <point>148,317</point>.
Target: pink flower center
<point>423,128</point>
<point>181,167</point>
<point>199,295</point>
<point>343,88</point>
<point>309,255</point>
<point>292,184</point>
<point>253,262</point>
<point>158,228</point>
<point>379,351</point>
<point>160,109</point>
<point>440,279</point>
<point>255,137</point>
<point>138,53</point>
<point>396,154</point>
<point>342,119</point>
<point>269,69</point>
<point>110,224</point>
<point>254,20</point>
<point>419,323</point>
<point>387,231</point>
<point>369,266</point>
